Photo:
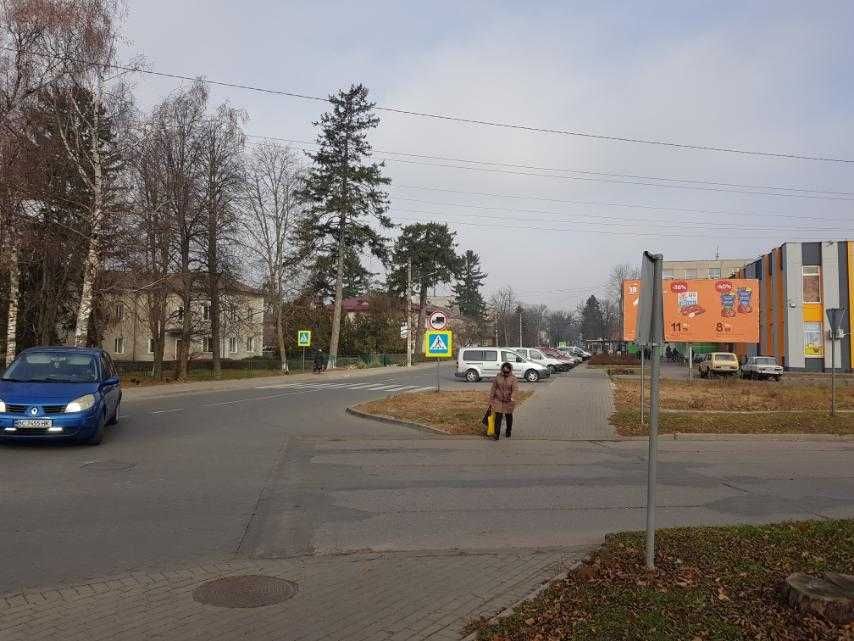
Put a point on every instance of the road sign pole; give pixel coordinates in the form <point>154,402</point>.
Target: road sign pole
<point>655,384</point>
<point>833,375</point>
<point>437,375</point>
<point>643,349</point>
<point>690,361</point>
<point>303,359</point>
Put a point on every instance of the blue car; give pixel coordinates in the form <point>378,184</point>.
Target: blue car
<point>59,393</point>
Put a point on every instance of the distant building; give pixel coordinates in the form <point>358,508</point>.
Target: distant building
<point>717,268</point>
<point>127,335</point>
<point>798,282</point>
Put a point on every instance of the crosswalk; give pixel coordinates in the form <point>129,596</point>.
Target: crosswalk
<point>382,386</point>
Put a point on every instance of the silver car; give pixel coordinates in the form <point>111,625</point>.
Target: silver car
<point>475,363</point>
<point>762,367</point>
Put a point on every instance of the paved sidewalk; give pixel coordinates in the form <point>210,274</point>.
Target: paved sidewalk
<point>574,406</point>
<point>370,597</point>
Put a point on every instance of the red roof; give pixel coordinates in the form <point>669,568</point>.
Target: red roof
<point>355,304</point>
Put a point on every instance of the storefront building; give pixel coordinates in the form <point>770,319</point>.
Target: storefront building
<point>798,282</point>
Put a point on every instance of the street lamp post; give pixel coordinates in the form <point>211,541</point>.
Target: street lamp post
<point>409,313</point>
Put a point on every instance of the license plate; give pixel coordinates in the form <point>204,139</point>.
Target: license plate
<point>34,422</point>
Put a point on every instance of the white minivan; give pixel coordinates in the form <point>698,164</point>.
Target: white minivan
<point>537,356</point>
<point>475,363</point>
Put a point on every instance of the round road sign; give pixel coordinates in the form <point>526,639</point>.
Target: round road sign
<point>438,320</point>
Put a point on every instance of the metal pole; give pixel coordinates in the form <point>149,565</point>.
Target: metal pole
<point>832,375</point>
<point>653,415</point>
<point>303,359</point>
<point>690,361</point>
<point>642,350</point>
<point>409,313</point>
<point>437,375</point>
<point>520,326</point>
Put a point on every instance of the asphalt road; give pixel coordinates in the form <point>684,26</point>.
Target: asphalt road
<point>278,469</point>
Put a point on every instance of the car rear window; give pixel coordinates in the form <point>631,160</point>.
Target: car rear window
<point>725,357</point>
<point>473,355</point>
<point>490,355</point>
<point>766,361</point>
<point>53,367</point>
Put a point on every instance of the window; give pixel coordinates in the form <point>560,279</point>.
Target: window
<point>812,283</point>
<point>120,312</point>
<point>509,357</point>
<point>119,345</point>
<point>151,345</point>
<point>232,345</point>
<point>250,343</point>
<point>473,355</point>
<point>108,370</point>
<point>180,313</point>
<point>208,344</point>
<point>714,272</point>
<point>490,355</point>
<point>813,340</point>
<point>206,314</point>
<point>690,273</point>
<point>536,355</point>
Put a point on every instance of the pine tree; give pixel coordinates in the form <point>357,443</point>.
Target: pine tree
<point>467,288</point>
<point>343,189</point>
<point>592,319</point>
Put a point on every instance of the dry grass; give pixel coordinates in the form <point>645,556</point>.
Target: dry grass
<point>735,395</point>
<point>628,423</point>
<point>450,412</point>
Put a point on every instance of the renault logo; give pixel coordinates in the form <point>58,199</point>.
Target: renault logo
<point>34,411</point>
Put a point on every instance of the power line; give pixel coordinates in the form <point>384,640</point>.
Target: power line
<point>613,204</point>
<point>690,181</point>
<point>465,120</point>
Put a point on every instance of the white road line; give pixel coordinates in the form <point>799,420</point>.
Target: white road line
<point>180,409</point>
<point>360,385</point>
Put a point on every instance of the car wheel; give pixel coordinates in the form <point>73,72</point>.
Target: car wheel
<point>532,376</point>
<point>777,378</point>
<point>472,376</point>
<point>552,369</point>
<point>115,418</point>
<point>98,434</point>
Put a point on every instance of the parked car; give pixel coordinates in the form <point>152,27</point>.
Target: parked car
<point>761,367</point>
<point>59,393</point>
<point>568,360</point>
<point>475,363</point>
<point>538,356</point>
<point>583,354</point>
<point>718,364</point>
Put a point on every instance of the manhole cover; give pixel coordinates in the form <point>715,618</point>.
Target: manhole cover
<point>247,591</point>
<point>107,466</point>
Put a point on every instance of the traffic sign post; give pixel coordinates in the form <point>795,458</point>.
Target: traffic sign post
<point>303,340</point>
<point>835,317</point>
<point>650,332</point>
<point>438,344</point>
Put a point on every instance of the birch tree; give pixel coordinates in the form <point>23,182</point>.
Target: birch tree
<point>269,216</point>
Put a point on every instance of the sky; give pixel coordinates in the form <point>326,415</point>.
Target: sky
<point>771,76</point>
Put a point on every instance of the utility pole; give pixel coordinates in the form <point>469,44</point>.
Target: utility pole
<point>409,312</point>
<point>519,309</point>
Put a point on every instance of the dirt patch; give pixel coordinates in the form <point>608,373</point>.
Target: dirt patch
<point>734,394</point>
<point>719,584</point>
<point>451,412</point>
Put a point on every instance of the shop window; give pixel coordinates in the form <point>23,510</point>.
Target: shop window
<point>812,283</point>
<point>813,340</point>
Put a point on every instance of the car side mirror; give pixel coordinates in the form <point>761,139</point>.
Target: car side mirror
<point>110,381</point>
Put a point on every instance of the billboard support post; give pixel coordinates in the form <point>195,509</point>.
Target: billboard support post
<point>642,394</point>
<point>650,332</point>
<point>690,361</point>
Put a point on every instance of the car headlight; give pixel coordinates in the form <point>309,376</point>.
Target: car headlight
<point>2,407</point>
<point>80,404</point>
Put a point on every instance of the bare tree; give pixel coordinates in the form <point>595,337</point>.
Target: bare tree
<point>618,274</point>
<point>221,142</point>
<point>269,217</point>
<point>503,304</point>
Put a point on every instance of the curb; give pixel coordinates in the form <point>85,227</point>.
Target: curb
<point>381,418</point>
<point>686,436</point>
<point>508,611</point>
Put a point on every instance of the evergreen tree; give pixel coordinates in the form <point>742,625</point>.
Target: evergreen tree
<point>324,270</point>
<point>592,319</point>
<point>467,288</point>
<point>343,189</point>
<point>432,249</point>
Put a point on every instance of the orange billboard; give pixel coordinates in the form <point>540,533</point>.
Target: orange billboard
<point>631,300</point>
<point>701,310</point>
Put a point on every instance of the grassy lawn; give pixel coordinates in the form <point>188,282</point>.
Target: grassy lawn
<point>785,409</point>
<point>451,412</point>
<point>711,584</point>
<point>137,379</point>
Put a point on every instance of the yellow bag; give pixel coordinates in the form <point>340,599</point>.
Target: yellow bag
<point>490,424</point>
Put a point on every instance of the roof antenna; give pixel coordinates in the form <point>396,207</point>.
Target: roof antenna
<point>717,252</point>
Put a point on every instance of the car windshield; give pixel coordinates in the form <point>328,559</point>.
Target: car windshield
<point>725,357</point>
<point>765,361</point>
<point>53,367</point>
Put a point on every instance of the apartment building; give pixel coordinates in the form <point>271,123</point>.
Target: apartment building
<point>798,283</point>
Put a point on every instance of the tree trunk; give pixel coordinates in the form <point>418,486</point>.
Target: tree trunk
<point>12,315</point>
<point>339,296</point>
<point>213,291</point>
<point>280,336</point>
<point>90,268</point>
<point>186,331</point>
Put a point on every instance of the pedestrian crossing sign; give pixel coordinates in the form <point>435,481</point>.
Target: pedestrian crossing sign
<point>304,338</point>
<point>438,344</point>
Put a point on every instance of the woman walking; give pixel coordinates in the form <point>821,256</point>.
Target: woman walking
<point>501,398</point>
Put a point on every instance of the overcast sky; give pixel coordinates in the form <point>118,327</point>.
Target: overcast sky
<point>773,76</point>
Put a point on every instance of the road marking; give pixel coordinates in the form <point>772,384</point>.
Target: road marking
<point>180,409</point>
